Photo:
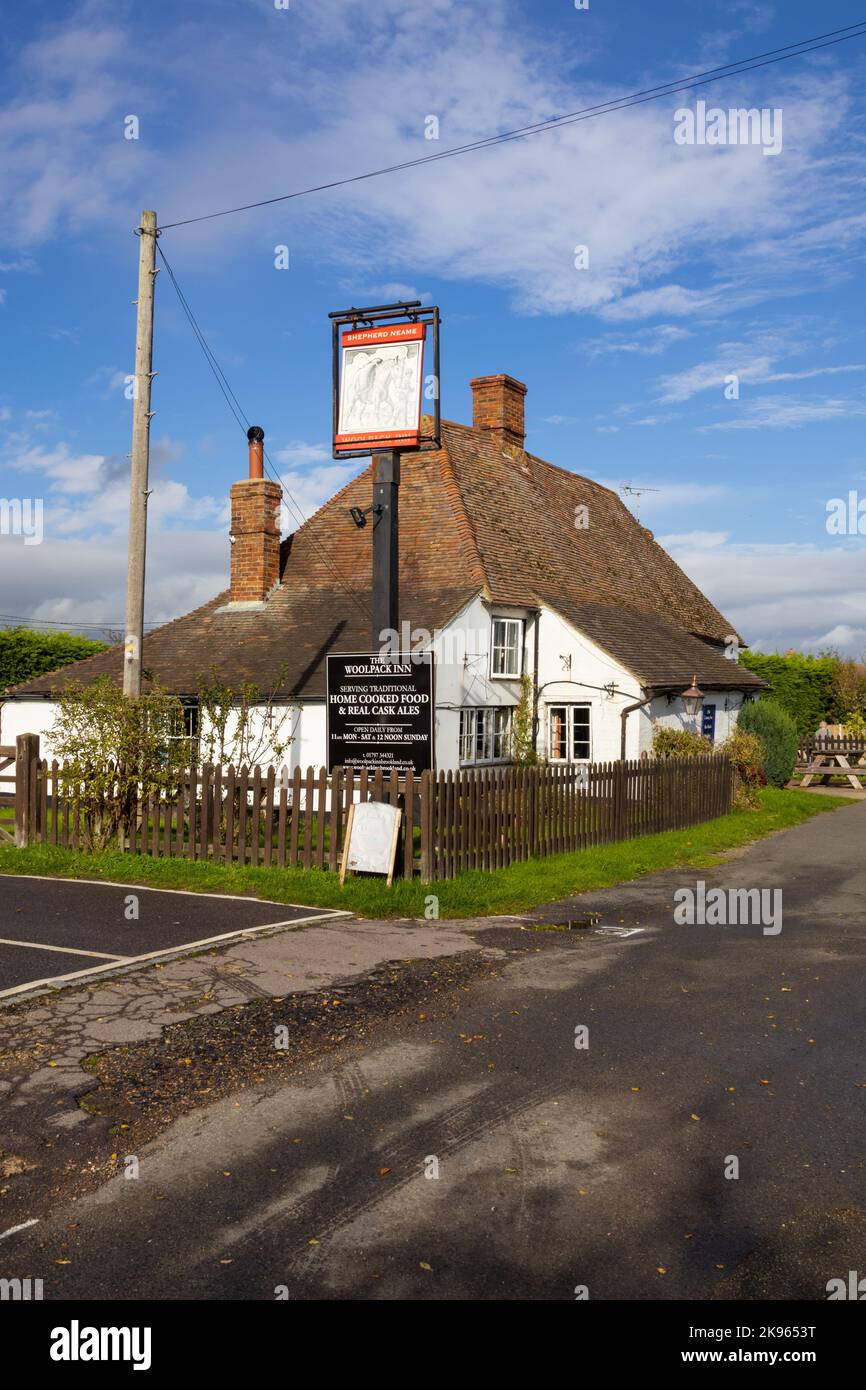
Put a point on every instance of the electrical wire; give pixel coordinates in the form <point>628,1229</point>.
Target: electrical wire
<point>239,414</point>
<point>702,79</point>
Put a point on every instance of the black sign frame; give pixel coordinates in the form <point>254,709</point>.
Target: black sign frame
<point>418,671</point>
<point>401,311</point>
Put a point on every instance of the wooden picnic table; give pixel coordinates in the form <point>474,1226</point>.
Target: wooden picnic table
<point>832,756</point>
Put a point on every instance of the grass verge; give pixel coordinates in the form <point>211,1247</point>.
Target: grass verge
<point>519,888</point>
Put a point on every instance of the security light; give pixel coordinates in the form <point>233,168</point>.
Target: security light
<point>359,515</point>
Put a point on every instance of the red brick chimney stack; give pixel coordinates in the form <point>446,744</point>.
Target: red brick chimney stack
<point>255,533</point>
<point>497,406</point>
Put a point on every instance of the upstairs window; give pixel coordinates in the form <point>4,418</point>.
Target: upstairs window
<point>506,648</point>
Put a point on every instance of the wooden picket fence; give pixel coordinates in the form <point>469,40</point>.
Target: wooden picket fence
<point>480,818</point>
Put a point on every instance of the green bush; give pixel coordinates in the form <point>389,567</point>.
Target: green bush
<point>679,743</point>
<point>778,734</point>
<point>746,752</point>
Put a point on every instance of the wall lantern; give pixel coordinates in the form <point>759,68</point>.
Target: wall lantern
<point>693,699</point>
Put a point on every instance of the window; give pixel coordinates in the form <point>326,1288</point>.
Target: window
<point>485,735</point>
<point>569,739</point>
<point>506,648</point>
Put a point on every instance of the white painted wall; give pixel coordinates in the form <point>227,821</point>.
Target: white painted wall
<point>27,717</point>
<point>571,670</point>
<point>728,704</point>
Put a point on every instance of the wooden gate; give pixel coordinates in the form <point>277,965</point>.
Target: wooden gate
<point>7,795</point>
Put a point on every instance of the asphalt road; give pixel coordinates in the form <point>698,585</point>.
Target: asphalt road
<point>54,927</point>
<point>558,1167</point>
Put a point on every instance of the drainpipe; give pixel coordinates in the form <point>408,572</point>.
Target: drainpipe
<point>536,625</point>
<point>624,714</point>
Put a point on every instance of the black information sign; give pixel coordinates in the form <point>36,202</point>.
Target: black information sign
<point>380,712</point>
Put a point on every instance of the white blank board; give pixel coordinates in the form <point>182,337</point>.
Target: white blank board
<point>372,837</point>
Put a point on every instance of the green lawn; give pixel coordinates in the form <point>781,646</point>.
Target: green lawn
<point>516,889</point>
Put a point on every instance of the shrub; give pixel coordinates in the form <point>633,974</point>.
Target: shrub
<point>855,725</point>
<point>679,743</point>
<point>746,751</point>
<point>778,734</point>
<point>114,750</point>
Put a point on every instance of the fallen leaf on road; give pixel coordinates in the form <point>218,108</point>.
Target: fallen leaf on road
<point>424,1265</point>
<point>383,1171</point>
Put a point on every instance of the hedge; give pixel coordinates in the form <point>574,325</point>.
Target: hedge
<point>803,686</point>
<point>25,654</point>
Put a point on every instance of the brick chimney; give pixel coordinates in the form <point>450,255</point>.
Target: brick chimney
<point>255,533</point>
<point>497,406</point>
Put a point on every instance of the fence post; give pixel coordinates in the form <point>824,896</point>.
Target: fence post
<point>426,831</point>
<point>619,800</point>
<point>26,772</point>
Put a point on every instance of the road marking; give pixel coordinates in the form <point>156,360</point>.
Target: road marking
<point>63,950</point>
<point>181,892</point>
<point>125,962</point>
<point>34,1221</point>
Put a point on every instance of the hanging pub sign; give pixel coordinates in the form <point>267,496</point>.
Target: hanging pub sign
<point>380,712</point>
<point>381,378</point>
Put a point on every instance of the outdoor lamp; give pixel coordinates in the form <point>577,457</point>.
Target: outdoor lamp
<point>693,699</point>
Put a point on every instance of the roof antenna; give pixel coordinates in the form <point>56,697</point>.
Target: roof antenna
<point>637,492</point>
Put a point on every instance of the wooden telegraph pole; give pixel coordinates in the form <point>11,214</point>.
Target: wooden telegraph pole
<point>140,456</point>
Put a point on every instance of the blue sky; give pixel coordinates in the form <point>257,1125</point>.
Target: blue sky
<point>703,262</point>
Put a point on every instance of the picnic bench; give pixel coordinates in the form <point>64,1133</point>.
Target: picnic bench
<point>834,756</point>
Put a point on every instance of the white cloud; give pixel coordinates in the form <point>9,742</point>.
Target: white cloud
<point>786,412</point>
<point>648,341</point>
<point>781,595</point>
<point>509,216</point>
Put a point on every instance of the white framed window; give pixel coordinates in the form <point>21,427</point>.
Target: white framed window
<point>506,647</point>
<point>485,735</point>
<point>569,738</point>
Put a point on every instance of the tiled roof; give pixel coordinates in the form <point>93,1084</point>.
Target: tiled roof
<point>473,519</point>
<point>658,654</point>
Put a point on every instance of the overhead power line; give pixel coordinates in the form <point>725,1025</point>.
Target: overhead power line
<point>586,113</point>
<point>70,625</point>
<point>238,412</point>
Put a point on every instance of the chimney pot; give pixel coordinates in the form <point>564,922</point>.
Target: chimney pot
<point>256,436</point>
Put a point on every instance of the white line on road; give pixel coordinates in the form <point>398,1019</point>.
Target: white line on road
<point>182,892</point>
<point>123,963</point>
<point>34,1221</point>
<point>64,950</point>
